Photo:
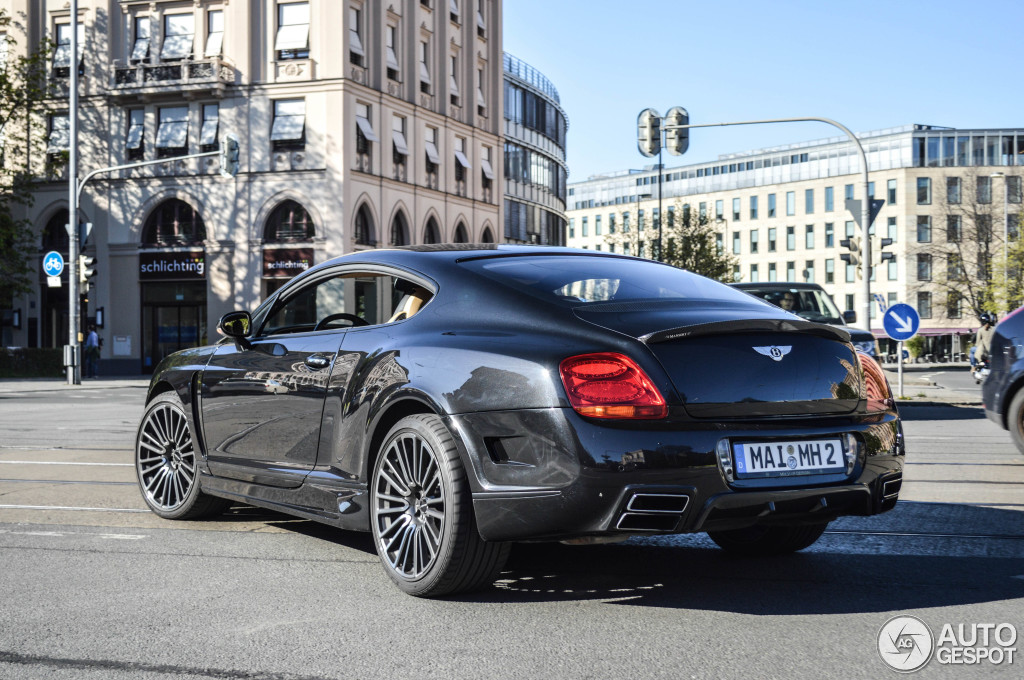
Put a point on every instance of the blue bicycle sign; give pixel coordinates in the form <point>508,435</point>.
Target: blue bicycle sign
<point>53,263</point>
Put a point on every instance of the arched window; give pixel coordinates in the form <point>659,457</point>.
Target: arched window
<point>364,227</point>
<point>289,222</point>
<point>460,234</point>
<point>432,234</point>
<point>399,231</point>
<point>55,235</point>
<point>174,223</point>
<point>487,237</point>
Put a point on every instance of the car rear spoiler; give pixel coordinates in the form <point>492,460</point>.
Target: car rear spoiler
<point>747,326</point>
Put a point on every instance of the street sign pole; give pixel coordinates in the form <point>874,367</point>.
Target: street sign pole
<point>74,374</point>
<point>899,364</point>
<point>900,322</point>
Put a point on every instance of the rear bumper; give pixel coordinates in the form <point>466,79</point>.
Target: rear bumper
<point>550,474</point>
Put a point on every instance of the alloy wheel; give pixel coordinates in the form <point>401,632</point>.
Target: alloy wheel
<point>165,459</point>
<point>410,503</point>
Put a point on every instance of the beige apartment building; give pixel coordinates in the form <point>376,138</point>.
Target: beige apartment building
<point>781,212</point>
<point>362,124</point>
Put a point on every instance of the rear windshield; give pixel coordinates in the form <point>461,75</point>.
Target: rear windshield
<point>812,304</point>
<point>576,279</point>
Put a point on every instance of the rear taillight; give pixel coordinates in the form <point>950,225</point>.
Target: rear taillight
<point>609,385</point>
<point>876,387</point>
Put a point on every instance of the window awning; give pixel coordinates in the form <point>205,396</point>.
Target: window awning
<point>366,128</point>
<point>432,154</point>
<point>289,120</point>
<point>461,158</point>
<point>179,36</point>
<point>400,145</point>
<point>60,134</point>
<point>214,44</point>
<point>173,131</point>
<point>208,135</point>
<point>485,166</point>
<point>135,129</point>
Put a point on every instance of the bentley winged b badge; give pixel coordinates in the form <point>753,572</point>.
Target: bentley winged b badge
<point>776,352</point>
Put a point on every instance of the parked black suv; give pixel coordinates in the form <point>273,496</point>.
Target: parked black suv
<point>810,301</point>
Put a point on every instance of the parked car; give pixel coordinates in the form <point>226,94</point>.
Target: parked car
<point>814,304</point>
<point>1003,389</point>
<point>454,399</point>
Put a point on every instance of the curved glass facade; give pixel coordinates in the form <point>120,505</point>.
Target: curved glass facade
<point>534,160</point>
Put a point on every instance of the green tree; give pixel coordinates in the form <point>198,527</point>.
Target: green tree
<point>689,241</point>
<point>23,89</point>
<point>1006,289</point>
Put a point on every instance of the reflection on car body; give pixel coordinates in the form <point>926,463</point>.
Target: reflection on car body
<point>453,400</point>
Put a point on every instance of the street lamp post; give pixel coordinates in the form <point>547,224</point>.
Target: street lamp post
<point>639,226</point>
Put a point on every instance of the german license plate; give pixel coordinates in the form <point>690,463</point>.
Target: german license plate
<point>784,459</point>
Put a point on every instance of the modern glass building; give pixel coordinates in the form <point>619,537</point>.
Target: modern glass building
<point>535,169</point>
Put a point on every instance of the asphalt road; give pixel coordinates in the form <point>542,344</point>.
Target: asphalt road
<point>94,586</point>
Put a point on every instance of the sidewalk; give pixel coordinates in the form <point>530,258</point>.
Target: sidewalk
<point>918,391</point>
<point>21,385</point>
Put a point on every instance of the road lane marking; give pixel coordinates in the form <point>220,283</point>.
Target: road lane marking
<point>63,507</point>
<point>61,534</point>
<point>66,481</point>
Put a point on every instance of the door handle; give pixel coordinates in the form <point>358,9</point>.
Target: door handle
<point>318,361</point>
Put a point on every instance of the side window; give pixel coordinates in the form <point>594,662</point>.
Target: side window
<point>348,300</point>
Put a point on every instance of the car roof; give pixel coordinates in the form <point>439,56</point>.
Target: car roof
<point>777,285</point>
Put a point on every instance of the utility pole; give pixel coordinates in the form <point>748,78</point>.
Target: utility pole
<point>74,353</point>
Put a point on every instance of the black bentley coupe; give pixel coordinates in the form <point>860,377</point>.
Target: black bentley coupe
<point>454,399</point>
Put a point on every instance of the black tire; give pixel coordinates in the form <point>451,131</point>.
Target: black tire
<point>422,517</point>
<point>1015,419</point>
<point>167,466</point>
<point>758,541</point>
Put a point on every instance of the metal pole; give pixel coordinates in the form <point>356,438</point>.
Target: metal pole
<point>864,208</point>
<point>661,215</point>
<point>899,364</point>
<point>74,372</point>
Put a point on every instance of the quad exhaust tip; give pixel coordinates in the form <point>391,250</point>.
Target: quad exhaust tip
<point>653,512</point>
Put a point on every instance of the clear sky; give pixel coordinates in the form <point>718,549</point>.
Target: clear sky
<point>870,65</point>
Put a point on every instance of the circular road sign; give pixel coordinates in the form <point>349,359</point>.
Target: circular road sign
<point>53,263</point>
<point>901,322</point>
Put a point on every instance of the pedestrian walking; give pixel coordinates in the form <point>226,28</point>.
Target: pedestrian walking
<point>92,353</point>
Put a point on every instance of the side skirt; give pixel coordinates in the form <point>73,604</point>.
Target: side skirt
<point>342,506</point>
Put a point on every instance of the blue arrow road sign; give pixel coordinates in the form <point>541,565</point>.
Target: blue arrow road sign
<point>901,322</point>
<point>53,263</point>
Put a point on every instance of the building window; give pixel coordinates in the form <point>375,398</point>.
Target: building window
<point>611,222</point>
<point>453,82</point>
<point>809,237</point>
<point>174,222</point>
<point>849,302</point>
<point>809,201</point>
<point>597,225</point>
<point>583,228</point>
<point>754,276</point>
<point>481,24</point>
<point>830,235</point>
<point>753,241</point>
<point>893,270</point>
<point>984,225</point>
<point>289,222</point>
<point>392,55</point>
<point>735,210</point>
<point>461,165</point>
<point>59,140</point>
<point>809,271</point>
<point>736,248</point>
<point>891,189</point>
<point>134,143</point>
<point>172,133</point>
<point>954,267</point>
<point>830,199</point>
<point>952,190</point>
<point>399,146</point>
<point>179,35</point>
<point>753,207</point>
<point>140,48</point>
<point>851,272</point>
<point>424,67</point>
<point>214,33</point>
<point>830,271</point>
<point>771,239</point>
<point>481,100</point>
<point>954,228</point>
<point>790,238</point>
<point>892,231</point>
<point>572,227</point>
<point>292,40</point>
<point>62,53</point>
<point>208,133</point>
<point>1013,188</point>
<point>848,192</point>
<point>984,189</point>
<point>431,233</point>
<point>365,138</point>
<point>356,54</point>
<point>453,12</point>
<point>487,236</point>
<point>791,271</point>
<point>924,267</point>
<point>487,179</point>
<point>719,210</point>
<point>954,306</point>
<point>460,234</point>
<point>924,305</point>
<point>790,203</point>
<point>924,191</point>
<point>289,128</point>
<point>772,275</point>
<point>364,227</point>
<point>924,229</point>
<point>433,157</point>
<point>399,231</point>
<point>771,205</point>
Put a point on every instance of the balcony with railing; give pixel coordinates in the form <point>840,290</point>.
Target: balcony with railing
<point>204,77</point>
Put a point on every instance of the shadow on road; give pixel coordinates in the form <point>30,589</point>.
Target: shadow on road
<point>941,412</point>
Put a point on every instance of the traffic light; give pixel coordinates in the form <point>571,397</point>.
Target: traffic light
<point>229,151</point>
<point>853,245</point>
<point>886,257</point>
<point>86,271</point>
<point>677,140</point>
<point>648,125</point>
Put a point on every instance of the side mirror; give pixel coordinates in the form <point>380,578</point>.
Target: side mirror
<point>850,316</point>
<point>235,325</point>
